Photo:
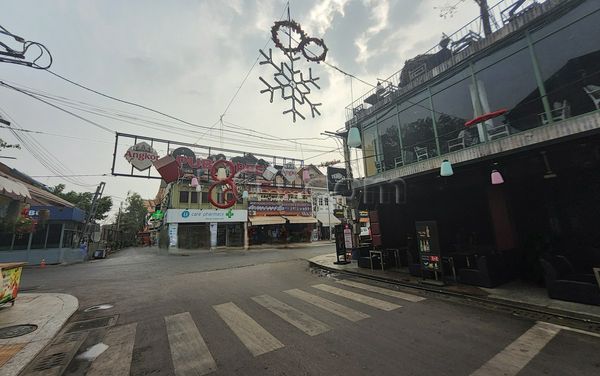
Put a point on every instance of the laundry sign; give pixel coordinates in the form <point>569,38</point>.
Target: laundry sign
<point>141,156</point>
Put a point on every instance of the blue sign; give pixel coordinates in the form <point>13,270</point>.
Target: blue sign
<point>185,213</point>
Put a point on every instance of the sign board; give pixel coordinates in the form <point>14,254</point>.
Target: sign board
<point>213,234</point>
<point>141,156</point>
<point>348,237</point>
<point>336,181</point>
<point>261,208</point>
<point>429,247</point>
<point>338,213</point>
<point>173,227</point>
<point>289,172</point>
<point>206,215</point>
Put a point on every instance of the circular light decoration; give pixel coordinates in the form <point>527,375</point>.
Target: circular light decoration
<point>312,57</point>
<point>294,27</point>
<point>227,184</point>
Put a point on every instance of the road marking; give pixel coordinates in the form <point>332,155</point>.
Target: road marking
<point>515,356</point>
<point>256,339</point>
<point>373,302</point>
<point>300,320</point>
<point>573,329</point>
<point>116,359</point>
<point>188,350</point>
<point>328,305</point>
<point>381,290</point>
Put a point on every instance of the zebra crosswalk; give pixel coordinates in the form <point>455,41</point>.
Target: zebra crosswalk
<point>191,355</point>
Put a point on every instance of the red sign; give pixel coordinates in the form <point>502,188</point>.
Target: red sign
<point>206,164</point>
<point>262,208</point>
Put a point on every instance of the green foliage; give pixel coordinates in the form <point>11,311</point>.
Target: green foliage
<point>133,217</point>
<point>84,201</point>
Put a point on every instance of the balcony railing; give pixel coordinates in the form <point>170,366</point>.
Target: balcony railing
<point>501,14</point>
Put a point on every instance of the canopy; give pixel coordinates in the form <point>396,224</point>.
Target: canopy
<point>12,187</point>
<point>267,220</point>
<point>327,219</point>
<point>301,220</point>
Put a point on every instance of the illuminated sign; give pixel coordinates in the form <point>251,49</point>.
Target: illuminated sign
<point>141,156</point>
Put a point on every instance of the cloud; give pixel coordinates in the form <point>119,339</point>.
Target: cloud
<point>321,15</point>
<point>379,16</point>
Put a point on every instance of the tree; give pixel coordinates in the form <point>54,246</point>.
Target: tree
<point>133,218</point>
<point>84,201</point>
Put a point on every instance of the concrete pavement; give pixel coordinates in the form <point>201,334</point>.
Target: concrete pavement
<point>268,313</point>
<point>48,311</point>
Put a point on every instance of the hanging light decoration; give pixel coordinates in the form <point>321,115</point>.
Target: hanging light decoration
<point>354,138</point>
<point>245,194</point>
<point>222,173</point>
<point>497,177</point>
<point>446,168</point>
<point>194,182</point>
<point>198,188</point>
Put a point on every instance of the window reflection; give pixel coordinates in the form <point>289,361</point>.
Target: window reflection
<point>416,127</point>
<point>370,150</point>
<point>390,140</point>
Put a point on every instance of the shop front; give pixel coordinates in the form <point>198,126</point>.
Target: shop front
<point>280,222</point>
<point>206,228</point>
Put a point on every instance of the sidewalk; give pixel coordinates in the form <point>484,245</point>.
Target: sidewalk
<point>515,294</point>
<point>48,311</point>
<point>259,247</point>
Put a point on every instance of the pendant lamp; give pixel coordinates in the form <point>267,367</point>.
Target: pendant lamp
<point>497,177</point>
<point>354,137</point>
<point>194,182</point>
<point>245,194</point>
<point>221,174</point>
<point>446,168</point>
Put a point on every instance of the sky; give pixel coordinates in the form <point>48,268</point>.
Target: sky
<point>188,59</point>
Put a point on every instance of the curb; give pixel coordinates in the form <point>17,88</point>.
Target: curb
<point>576,317</point>
<point>35,342</point>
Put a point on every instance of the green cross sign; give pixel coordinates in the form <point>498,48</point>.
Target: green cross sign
<point>229,213</point>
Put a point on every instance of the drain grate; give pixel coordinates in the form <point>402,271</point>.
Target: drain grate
<point>50,361</point>
<point>16,331</point>
<point>100,322</point>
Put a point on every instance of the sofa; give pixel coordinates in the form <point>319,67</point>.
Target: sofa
<point>489,271</point>
<point>561,285</point>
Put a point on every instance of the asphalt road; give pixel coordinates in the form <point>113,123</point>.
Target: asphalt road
<point>266,313</point>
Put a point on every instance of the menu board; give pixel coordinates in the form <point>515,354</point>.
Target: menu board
<point>429,246</point>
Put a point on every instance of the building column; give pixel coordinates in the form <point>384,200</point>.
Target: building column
<point>246,238</point>
<point>502,224</point>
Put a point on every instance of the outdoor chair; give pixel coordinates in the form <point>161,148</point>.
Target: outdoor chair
<point>593,91</point>
<point>398,161</point>
<point>559,287</point>
<point>560,111</point>
<point>379,166</point>
<point>421,153</point>
<point>497,131</point>
<point>458,142</point>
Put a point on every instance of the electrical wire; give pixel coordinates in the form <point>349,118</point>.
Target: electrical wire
<point>57,135</point>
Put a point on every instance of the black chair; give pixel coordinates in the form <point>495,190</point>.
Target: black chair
<point>568,289</point>
<point>491,270</point>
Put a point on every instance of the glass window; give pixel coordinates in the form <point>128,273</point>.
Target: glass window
<point>389,139</point>
<point>194,197</point>
<point>68,239</point>
<point>39,237</point>
<point>416,127</point>
<point>204,197</point>
<point>370,150</point>
<point>320,201</point>
<point>5,240</point>
<point>326,201</point>
<point>21,241</point>
<point>54,235</point>
<point>571,73</point>
<point>453,106</point>
<point>505,79</point>
<point>184,197</point>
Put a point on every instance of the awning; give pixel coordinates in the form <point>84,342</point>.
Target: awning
<point>11,187</point>
<point>301,220</point>
<point>327,219</point>
<point>267,220</point>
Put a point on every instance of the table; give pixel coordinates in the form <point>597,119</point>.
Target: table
<point>372,99</point>
<point>373,252</point>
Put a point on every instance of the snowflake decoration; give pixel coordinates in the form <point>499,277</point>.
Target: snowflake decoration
<point>292,84</point>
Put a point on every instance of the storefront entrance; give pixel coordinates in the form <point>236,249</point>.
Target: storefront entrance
<point>230,235</point>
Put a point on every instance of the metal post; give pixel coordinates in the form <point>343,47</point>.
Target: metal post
<point>435,132</point>
<point>399,135</point>
<point>478,106</point>
<point>538,78</point>
<point>329,213</point>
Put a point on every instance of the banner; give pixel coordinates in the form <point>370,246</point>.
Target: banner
<point>336,181</point>
<point>173,227</point>
<point>206,215</point>
<point>263,208</point>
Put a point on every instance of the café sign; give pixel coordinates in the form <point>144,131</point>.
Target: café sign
<point>141,156</point>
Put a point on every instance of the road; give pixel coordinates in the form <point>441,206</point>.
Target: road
<point>266,312</point>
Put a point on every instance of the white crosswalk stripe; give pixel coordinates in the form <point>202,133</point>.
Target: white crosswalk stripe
<point>256,339</point>
<point>300,320</point>
<point>116,360</point>
<point>515,356</point>
<point>373,302</point>
<point>383,291</point>
<point>328,305</point>
<point>188,350</point>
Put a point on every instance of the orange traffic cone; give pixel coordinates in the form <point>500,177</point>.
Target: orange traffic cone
<point>43,263</point>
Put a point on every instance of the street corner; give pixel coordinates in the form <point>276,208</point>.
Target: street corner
<point>28,326</point>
